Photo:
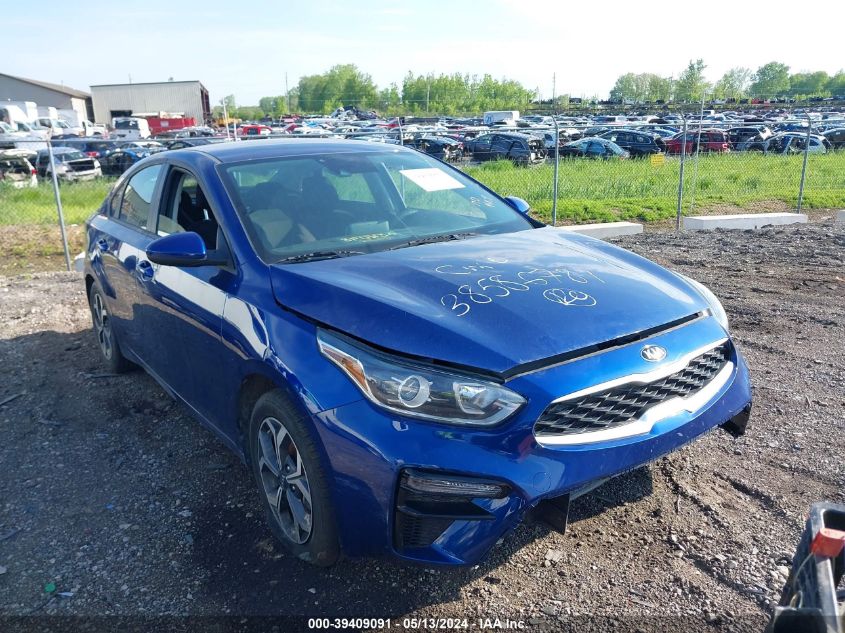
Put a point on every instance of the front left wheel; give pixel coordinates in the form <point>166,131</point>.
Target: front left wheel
<point>293,486</point>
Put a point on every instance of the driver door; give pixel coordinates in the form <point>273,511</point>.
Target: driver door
<point>186,304</point>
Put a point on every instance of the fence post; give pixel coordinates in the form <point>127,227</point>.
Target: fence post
<point>804,166</point>
<point>557,167</point>
<point>58,203</point>
<point>225,118</point>
<point>681,178</point>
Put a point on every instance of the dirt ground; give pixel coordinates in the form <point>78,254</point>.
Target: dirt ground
<point>114,501</point>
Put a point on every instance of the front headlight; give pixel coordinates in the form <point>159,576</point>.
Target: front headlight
<point>417,390</point>
<point>716,308</point>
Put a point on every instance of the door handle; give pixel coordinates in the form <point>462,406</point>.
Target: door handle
<point>144,270</point>
<point>102,244</point>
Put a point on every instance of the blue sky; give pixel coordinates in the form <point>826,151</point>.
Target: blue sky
<point>247,49</point>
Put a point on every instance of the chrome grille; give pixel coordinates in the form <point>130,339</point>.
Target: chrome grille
<point>626,403</point>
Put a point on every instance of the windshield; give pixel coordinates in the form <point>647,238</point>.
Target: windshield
<point>126,124</point>
<point>73,155</point>
<point>360,202</point>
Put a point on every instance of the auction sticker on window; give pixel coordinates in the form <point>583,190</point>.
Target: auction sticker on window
<point>431,179</point>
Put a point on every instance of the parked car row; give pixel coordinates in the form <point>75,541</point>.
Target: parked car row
<point>527,141</point>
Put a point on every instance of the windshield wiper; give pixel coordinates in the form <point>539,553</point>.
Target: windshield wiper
<point>315,255</point>
<point>432,239</point>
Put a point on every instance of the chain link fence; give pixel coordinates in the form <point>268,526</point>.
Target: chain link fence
<point>707,169</point>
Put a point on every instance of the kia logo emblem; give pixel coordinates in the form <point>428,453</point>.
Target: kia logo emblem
<point>653,353</point>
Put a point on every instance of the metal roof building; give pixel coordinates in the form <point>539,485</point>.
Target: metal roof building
<point>45,94</point>
<point>188,97</point>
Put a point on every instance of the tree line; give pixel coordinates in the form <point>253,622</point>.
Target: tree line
<point>768,81</point>
<point>456,93</point>
<point>346,85</point>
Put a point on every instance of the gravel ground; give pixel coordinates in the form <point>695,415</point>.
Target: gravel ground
<point>114,501</point>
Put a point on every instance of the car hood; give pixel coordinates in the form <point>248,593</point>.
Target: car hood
<point>492,302</point>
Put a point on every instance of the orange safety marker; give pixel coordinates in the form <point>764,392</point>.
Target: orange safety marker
<point>828,542</point>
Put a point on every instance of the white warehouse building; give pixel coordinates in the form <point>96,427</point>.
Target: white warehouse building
<point>45,94</point>
<point>187,97</point>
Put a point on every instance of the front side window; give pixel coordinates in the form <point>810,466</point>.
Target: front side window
<point>185,207</point>
<point>359,202</point>
<point>138,196</point>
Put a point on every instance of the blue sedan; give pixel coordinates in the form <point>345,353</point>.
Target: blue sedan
<point>407,362</point>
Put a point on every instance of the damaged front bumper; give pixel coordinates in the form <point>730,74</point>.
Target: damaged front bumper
<point>490,478</point>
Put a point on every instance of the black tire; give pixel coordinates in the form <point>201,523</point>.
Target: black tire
<point>321,547</point>
<point>106,337</point>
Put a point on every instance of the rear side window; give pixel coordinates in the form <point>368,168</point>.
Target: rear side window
<point>138,196</point>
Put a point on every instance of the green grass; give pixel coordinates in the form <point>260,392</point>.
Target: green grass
<point>635,189</point>
<point>589,191</point>
<point>37,205</point>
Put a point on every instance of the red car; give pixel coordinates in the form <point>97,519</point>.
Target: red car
<point>710,141</point>
<point>255,130</point>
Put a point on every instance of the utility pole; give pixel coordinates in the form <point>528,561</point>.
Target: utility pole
<point>427,93</point>
<point>287,94</point>
<point>554,101</point>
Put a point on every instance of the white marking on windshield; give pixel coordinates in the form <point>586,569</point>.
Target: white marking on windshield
<point>431,179</point>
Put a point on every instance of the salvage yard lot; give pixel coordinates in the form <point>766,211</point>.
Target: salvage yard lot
<point>115,496</point>
<point>589,191</point>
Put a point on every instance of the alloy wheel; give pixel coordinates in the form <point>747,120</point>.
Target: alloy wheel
<point>285,480</point>
<point>102,325</point>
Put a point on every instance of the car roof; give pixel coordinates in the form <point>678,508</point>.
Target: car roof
<point>10,157</point>
<point>59,150</point>
<point>274,148</point>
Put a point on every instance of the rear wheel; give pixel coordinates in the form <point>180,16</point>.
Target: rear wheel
<point>293,486</point>
<point>106,338</point>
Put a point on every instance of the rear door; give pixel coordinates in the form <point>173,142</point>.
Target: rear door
<point>481,147</point>
<point>118,245</point>
<point>501,147</point>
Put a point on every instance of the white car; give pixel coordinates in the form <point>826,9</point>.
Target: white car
<point>71,165</point>
<point>16,170</point>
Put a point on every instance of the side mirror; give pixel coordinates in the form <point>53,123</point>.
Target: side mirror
<point>178,249</point>
<point>519,204</point>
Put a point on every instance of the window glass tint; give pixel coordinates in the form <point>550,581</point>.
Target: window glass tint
<point>502,143</point>
<point>138,196</point>
<point>353,187</point>
<point>366,202</point>
<point>114,203</point>
<point>186,208</point>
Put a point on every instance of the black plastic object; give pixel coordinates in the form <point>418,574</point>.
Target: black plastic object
<point>809,602</point>
<point>738,424</point>
<point>555,512</point>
